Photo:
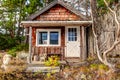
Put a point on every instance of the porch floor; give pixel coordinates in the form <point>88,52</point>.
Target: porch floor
<point>37,66</point>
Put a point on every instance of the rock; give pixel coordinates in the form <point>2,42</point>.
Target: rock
<point>4,67</point>
<point>66,74</point>
<point>6,59</point>
<point>83,76</point>
<point>22,55</point>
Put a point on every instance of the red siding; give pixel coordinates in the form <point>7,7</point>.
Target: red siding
<point>53,49</point>
<point>34,36</point>
<point>58,13</point>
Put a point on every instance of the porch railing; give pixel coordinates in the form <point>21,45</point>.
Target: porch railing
<point>49,51</point>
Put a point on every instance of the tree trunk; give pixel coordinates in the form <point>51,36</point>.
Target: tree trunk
<point>97,32</point>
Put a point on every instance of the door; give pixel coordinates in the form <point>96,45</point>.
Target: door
<point>72,41</point>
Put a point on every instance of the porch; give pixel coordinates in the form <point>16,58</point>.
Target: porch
<point>40,54</point>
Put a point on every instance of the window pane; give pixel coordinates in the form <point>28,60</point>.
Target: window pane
<point>54,37</point>
<point>43,37</point>
<point>72,34</point>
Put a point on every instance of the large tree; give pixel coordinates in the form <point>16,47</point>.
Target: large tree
<point>111,6</point>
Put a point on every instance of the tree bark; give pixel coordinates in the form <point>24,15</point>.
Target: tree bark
<point>94,15</point>
<point>103,58</point>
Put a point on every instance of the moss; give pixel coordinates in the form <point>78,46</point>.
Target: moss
<point>103,67</point>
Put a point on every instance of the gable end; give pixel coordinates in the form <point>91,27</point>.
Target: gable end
<point>54,3</point>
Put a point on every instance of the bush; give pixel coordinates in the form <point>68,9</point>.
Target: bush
<point>52,61</point>
<point>12,52</point>
<point>20,47</point>
<point>7,42</point>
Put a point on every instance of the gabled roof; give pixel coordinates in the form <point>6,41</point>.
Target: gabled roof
<point>60,2</point>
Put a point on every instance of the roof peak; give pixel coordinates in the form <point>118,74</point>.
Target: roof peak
<point>53,3</point>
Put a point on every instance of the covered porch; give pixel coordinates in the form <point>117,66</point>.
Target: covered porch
<point>36,52</point>
<point>42,53</point>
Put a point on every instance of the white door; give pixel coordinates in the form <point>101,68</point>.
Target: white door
<point>72,41</point>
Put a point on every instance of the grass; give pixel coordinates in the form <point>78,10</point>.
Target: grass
<point>16,71</point>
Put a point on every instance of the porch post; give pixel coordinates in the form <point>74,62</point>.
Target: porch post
<point>30,44</point>
<point>84,52</point>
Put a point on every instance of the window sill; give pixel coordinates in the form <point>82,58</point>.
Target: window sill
<point>47,45</point>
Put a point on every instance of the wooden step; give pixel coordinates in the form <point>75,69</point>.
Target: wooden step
<point>43,69</point>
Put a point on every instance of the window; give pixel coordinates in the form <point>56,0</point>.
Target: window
<point>43,37</point>
<point>48,37</point>
<point>72,34</point>
<point>54,37</point>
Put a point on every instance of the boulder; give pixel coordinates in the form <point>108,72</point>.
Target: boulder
<point>6,61</point>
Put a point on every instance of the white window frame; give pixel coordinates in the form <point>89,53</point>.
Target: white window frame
<point>72,36</point>
<point>48,37</point>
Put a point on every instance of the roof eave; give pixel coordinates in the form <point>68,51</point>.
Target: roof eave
<point>54,23</point>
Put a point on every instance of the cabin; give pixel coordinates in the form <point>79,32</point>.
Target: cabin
<point>57,29</point>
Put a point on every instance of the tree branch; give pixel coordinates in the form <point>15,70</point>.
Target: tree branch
<point>94,19</point>
<point>116,20</point>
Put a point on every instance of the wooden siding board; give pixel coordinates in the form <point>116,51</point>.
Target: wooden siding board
<point>58,13</point>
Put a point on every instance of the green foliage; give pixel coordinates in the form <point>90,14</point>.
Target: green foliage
<point>37,73</point>
<point>13,51</point>
<point>48,75</point>
<point>52,61</point>
<point>98,66</point>
<point>94,66</point>
<point>11,15</point>
<point>101,3</point>
<point>7,42</point>
<point>102,7</point>
<point>33,6</point>
<point>103,67</point>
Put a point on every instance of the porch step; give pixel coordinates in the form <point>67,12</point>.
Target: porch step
<point>73,60</point>
<point>36,63</point>
<point>40,67</point>
<point>43,69</point>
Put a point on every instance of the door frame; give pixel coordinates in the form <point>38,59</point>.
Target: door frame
<point>66,40</point>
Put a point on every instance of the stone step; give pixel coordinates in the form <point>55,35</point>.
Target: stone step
<point>43,69</point>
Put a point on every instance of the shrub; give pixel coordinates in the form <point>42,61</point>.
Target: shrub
<point>52,61</point>
<point>13,51</point>
<point>94,66</point>
<point>7,42</point>
<point>103,67</point>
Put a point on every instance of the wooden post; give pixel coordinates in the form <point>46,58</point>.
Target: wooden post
<point>30,44</point>
<point>84,54</point>
<point>26,35</point>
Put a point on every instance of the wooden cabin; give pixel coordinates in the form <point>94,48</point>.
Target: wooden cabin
<point>57,29</point>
